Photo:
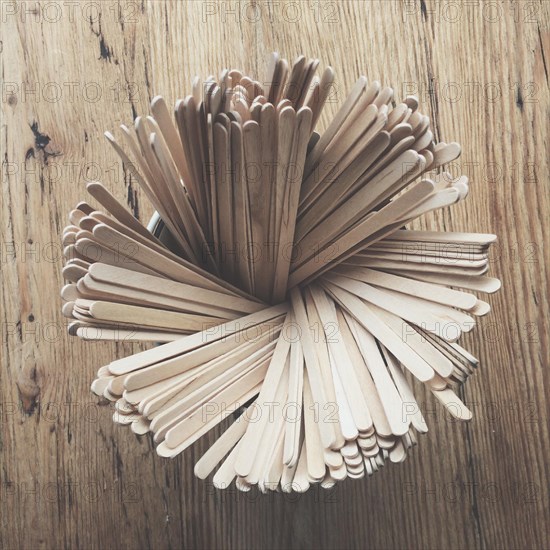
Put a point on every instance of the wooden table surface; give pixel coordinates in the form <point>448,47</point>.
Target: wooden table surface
<point>70,478</point>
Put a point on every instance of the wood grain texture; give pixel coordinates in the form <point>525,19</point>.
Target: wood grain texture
<point>72,479</point>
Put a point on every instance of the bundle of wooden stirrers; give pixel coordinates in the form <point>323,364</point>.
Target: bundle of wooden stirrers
<point>285,287</point>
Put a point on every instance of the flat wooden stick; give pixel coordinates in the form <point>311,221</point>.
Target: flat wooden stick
<point>295,403</point>
<point>94,252</point>
<point>364,315</point>
<point>453,404</point>
<point>427,291</point>
<point>274,470</point>
<point>226,473</point>
<point>269,77</point>
<point>125,335</point>
<point>290,202</point>
<point>215,453</point>
<point>151,405</point>
<point>403,306</point>
<point>278,364</point>
<point>320,94</point>
<point>389,396</point>
<point>270,432</point>
<point>328,432</point>
<point>449,316</point>
<point>223,168</point>
<point>184,427</point>
<point>149,357</point>
<point>108,201</point>
<point>252,196</point>
<point>414,338</point>
<point>347,424</point>
<point>148,317</point>
<point>142,397</point>
<point>189,220</point>
<point>206,385</point>
<point>308,75</point>
<point>324,362</point>
<point>187,115</point>
<point>300,482</point>
<point>362,202</point>
<point>164,120</point>
<point>443,237</point>
<point>314,449</point>
<point>433,252</point>
<point>335,155</point>
<point>175,231</point>
<point>160,182</point>
<point>182,272</point>
<point>396,267</point>
<point>334,126</point>
<point>164,450</point>
<point>91,289</point>
<point>265,263</point>
<point>337,347</point>
<point>411,409</point>
<point>293,87</point>
<point>286,132</point>
<point>356,236</point>
<point>140,281</point>
<point>177,365</point>
<point>100,217</point>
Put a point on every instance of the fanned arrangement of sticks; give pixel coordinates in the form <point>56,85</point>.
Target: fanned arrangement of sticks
<point>287,292</point>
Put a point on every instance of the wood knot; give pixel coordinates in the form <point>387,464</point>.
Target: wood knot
<point>29,389</point>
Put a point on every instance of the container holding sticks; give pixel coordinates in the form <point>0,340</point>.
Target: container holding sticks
<point>285,278</point>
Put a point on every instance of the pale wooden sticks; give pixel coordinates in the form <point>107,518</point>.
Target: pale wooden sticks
<point>260,208</point>
<point>291,195</point>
